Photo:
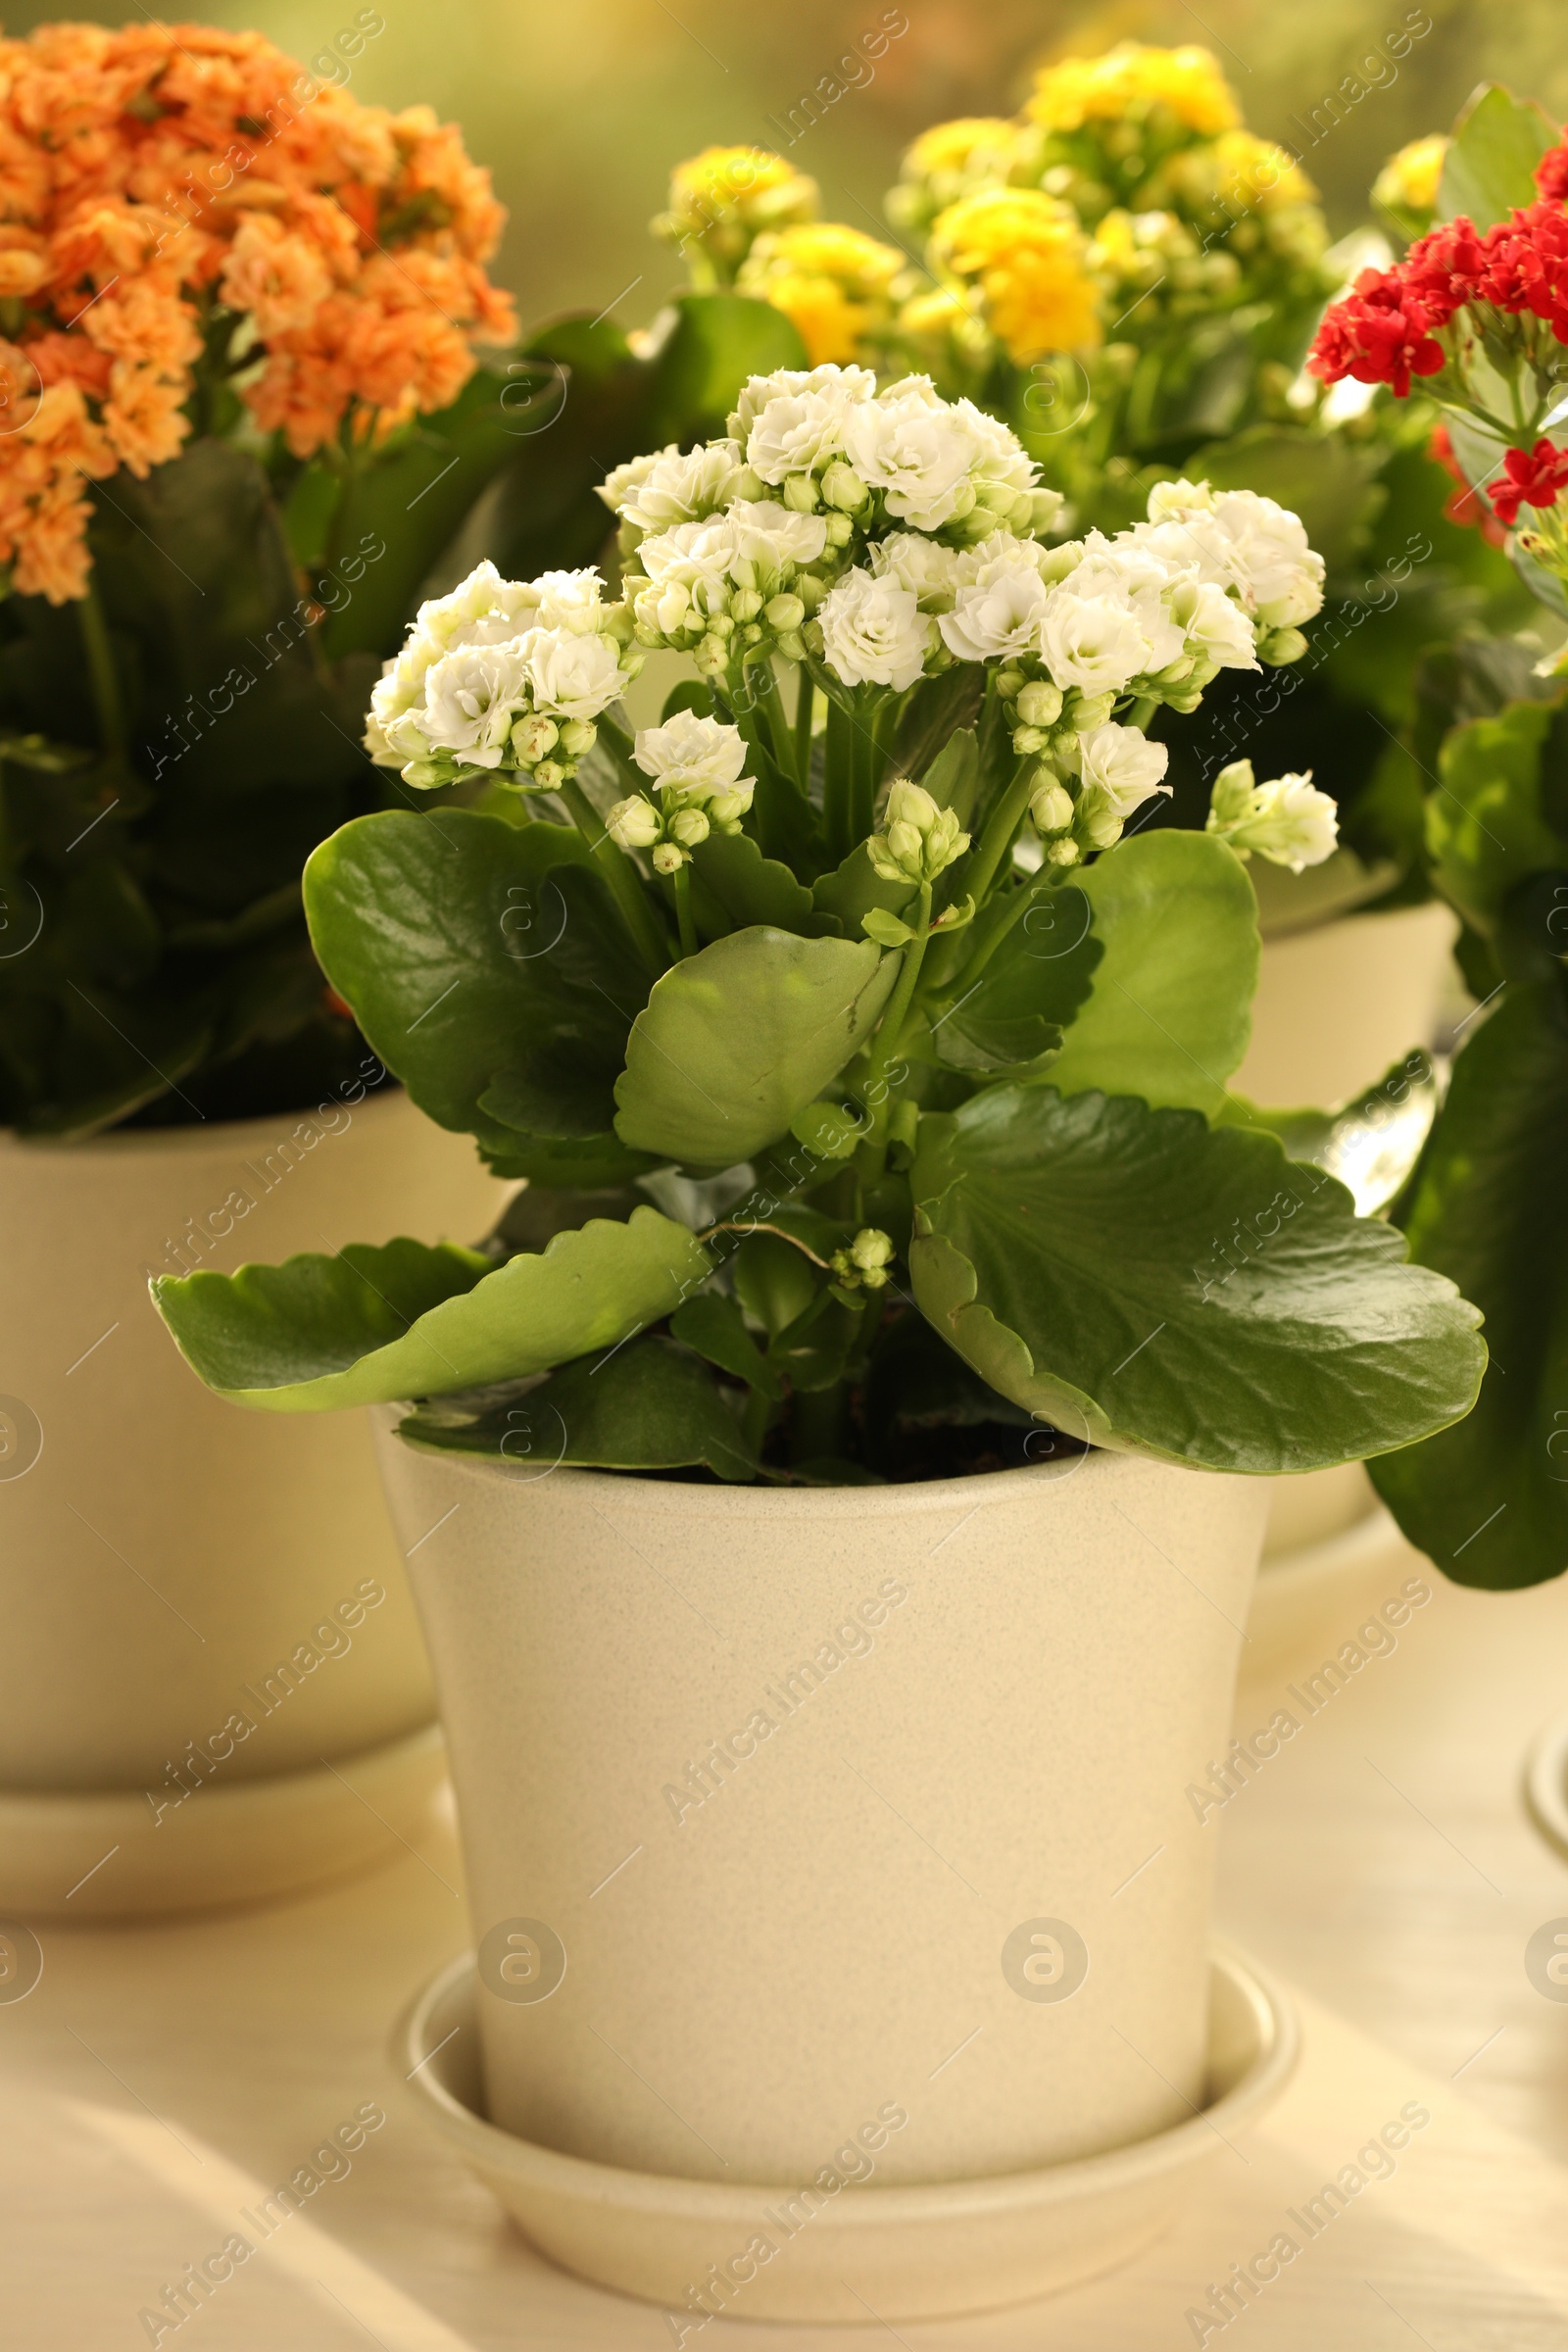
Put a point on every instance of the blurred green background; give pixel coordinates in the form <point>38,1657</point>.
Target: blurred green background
<point>579,107</point>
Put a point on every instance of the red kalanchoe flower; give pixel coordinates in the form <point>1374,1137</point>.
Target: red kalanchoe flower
<point>1466,507</point>
<point>1379,335</point>
<point>1530,477</point>
<point>1527,265</point>
<point>1552,175</point>
<point>1445,268</point>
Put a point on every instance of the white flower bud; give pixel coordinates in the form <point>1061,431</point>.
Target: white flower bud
<point>1051,809</point>
<point>669,857</point>
<point>745,604</point>
<point>921,839</point>
<point>1064,852</point>
<point>688,826</point>
<point>633,823</point>
<point>799,492</point>
<point>784,612</point>
<point>549,775</point>
<point>1276,647</point>
<point>578,737</point>
<point>843,487</point>
<point>533,738</point>
<point>1040,704</point>
<point>1028,739</point>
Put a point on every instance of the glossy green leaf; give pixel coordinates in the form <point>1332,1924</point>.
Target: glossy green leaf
<point>1488,1502</point>
<point>734,1039</point>
<point>1030,989</point>
<point>1371,1145</point>
<point>1156,1285</point>
<point>370,1326</point>
<point>1489,168</point>
<point>753,889</point>
<point>1169,1013</point>
<point>717,342</point>
<point>1486,830</point>
<point>400,510</point>
<point>494,984</point>
<point>649,1407</point>
<point>713,1325</point>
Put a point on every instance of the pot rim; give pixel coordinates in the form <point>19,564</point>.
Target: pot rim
<point>1268,2068</point>
<point>671,1498</point>
<point>188,1143</point>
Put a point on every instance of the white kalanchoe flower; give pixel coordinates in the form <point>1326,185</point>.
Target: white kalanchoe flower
<point>800,433</point>
<point>572,676</point>
<point>472,697</point>
<point>1092,643</point>
<point>1287,821</point>
<point>1120,769</point>
<point>1001,614</point>
<point>874,632</point>
<point>773,539</point>
<point>916,449</point>
<point>919,840</point>
<point>844,384</point>
<point>694,755</point>
<point>928,569</point>
<point>1238,539</point>
<point>678,486</point>
<point>1218,630</point>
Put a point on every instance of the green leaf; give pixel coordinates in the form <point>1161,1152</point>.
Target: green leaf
<point>1169,1014</point>
<point>888,930</point>
<point>371,1326</point>
<point>1488,1502</point>
<point>774,1281</point>
<point>815,1348</point>
<point>1326,479</point>
<point>717,342</point>
<point>1032,987</point>
<point>828,1129</point>
<point>649,1407</point>
<point>1488,170</point>
<point>1486,830</point>
<point>470,961</point>
<point>407,504</point>
<point>713,1325</point>
<point>1165,1288</point>
<point>734,1039</point>
<point>953,776</point>
<point>753,889</point>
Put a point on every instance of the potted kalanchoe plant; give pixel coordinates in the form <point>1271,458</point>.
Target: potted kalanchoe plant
<point>240,312</point>
<point>869,1080</point>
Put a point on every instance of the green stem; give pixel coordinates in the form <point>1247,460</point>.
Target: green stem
<point>756,1415</point>
<point>620,876</point>
<point>682,879</point>
<point>805,698</point>
<point>1001,826</point>
<point>1016,908</point>
<point>1142,712</point>
<point>101,671</point>
<point>619,744</point>
<point>838,803</point>
<point>770,709</point>
<point>891,1027</point>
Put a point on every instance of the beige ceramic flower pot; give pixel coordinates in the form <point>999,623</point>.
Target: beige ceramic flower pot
<point>1340,1003</point>
<point>212,1681</point>
<point>801,1822</point>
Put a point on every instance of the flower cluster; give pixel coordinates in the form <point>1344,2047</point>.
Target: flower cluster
<point>837,285</point>
<point>176,190</point>
<point>721,200</point>
<point>1286,820</point>
<point>731,550</point>
<point>881,537</point>
<point>1406,188</point>
<point>503,678</point>
<point>695,764</point>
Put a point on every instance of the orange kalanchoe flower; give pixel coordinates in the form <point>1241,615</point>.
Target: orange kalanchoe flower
<point>169,189</point>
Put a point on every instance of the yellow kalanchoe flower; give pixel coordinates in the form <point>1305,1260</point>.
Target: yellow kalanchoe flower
<point>948,161</point>
<point>1407,184</point>
<point>833,282</point>
<point>1026,256</point>
<point>1255,175</point>
<point>1128,82</point>
<point>723,200</point>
